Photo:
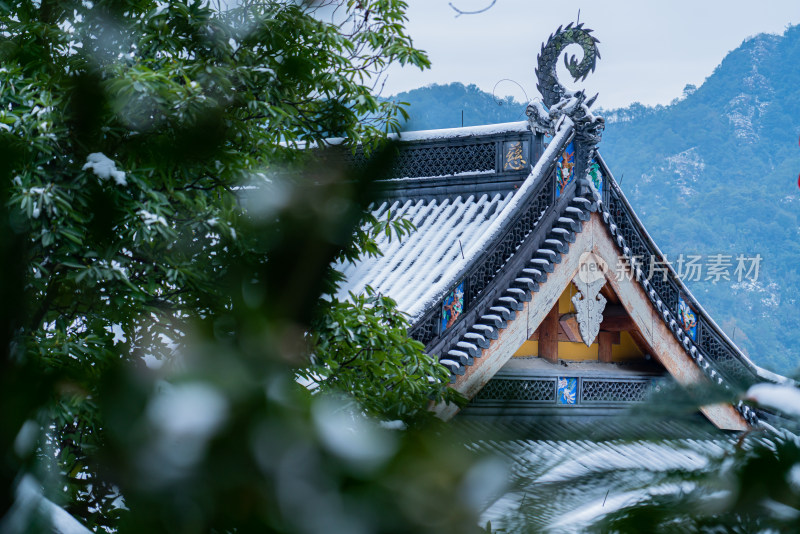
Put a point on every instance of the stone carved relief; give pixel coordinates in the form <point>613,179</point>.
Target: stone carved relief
<point>589,303</point>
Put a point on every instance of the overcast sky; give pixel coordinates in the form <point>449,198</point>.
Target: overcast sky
<point>650,50</point>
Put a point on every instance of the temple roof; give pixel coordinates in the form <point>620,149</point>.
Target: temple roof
<point>565,474</point>
<point>493,223</point>
<point>509,216</point>
<point>511,219</point>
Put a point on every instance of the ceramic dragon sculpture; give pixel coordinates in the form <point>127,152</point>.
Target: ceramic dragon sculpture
<point>561,102</point>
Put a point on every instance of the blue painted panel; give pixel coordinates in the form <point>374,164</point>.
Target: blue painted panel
<point>452,306</point>
<point>687,318</point>
<point>565,169</point>
<point>567,390</point>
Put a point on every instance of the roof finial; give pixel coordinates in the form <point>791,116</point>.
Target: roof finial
<point>560,101</point>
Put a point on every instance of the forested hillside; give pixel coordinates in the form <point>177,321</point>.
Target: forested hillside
<point>715,172</point>
<point>440,106</point>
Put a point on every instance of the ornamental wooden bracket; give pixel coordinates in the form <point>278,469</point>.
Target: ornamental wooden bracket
<point>589,303</point>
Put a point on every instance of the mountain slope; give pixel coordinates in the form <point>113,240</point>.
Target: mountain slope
<point>440,106</point>
<point>714,173</point>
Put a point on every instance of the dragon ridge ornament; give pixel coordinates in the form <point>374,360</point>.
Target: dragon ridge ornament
<point>559,103</point>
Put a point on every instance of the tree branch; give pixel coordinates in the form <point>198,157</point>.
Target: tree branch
<point>460,12</point>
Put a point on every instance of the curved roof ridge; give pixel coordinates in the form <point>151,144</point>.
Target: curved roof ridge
<point>498,225</point>
<point>463,131</point>
<point>455,232</point>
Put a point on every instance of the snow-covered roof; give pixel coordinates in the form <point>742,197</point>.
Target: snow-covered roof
<point>438,134</point>
<point>567,475</point>
<point>413,270</point>
<point>453,229</point>
<point>468,131</point>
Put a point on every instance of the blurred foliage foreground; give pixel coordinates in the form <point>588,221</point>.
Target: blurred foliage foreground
<point>167,252</point>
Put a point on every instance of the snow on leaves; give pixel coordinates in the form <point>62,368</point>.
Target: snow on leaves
<point>104,168</point>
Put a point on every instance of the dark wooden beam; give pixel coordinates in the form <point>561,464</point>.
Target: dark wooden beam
<point>614,310</point>
<point>613,336</point>
<point>563,338</point>
<point>617,324</point>
<point>568,332</point>
<point>609,294</point>
<point>569,324</point>
<point>548,336</point>
<point>616,319</point>
<point>613,323</point>
<point>604,341</point>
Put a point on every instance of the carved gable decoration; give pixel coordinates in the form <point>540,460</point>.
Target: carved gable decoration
<point>589,303</point>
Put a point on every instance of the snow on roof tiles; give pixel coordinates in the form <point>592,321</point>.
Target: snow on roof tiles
<point>464,131</point>
<point>548,458</point>
<point>451,233</point>
<point>410,268</point>
<point>432,135</point>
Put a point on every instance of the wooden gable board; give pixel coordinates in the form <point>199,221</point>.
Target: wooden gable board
<point>593,238</point>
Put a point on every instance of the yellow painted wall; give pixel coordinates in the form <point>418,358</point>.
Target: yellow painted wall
<point>624,351</point>
<point>564,303</point>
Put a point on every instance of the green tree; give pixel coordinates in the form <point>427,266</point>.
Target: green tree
<point>133,133</point>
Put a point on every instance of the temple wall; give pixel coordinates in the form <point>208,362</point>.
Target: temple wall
<point>626,350</point>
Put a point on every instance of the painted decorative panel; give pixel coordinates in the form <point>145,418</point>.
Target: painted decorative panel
<point>546,138</point>
<point>515,156</point>
<point>596,176</point>
<point>567,390</point>
<point>687,317</point>
<point>565,169</point>
<point>570,391</point>
<point>452,306</point>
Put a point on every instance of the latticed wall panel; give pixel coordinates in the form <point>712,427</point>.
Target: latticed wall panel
<point>445,160</point>
<point>591,391</point>
<point>613,391</point>
<point>431,161</point>
<point>427,328</point>
<point>501,389</point>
